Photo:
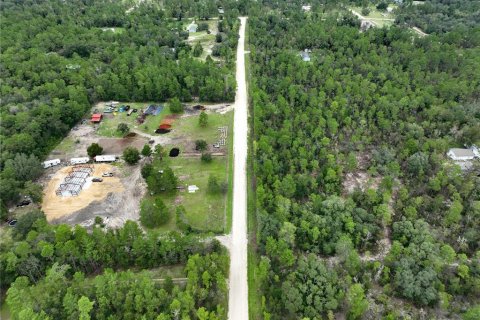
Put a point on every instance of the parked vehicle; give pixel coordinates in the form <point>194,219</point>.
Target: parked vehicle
<point>12,222</point>
<point>23,203</point>
<point>107,174</point>
<point>97,180</point>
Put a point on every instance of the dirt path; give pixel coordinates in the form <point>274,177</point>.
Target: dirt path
<point>420,32</point>
<point>238,295</point>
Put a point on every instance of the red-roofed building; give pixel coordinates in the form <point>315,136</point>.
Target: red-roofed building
<point>96,117</point>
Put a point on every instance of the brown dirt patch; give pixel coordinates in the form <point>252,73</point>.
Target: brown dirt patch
<point>116,146</point>
<point>360,180</point>
<point>56,207</point>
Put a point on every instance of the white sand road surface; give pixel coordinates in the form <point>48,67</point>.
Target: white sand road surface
<point>238,288</point>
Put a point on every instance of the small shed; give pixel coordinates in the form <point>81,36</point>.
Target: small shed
<point>193,189</point>
<point>305,54</point>
<point>96,117</point>
<point>192,27</point>
<point>165,126</point>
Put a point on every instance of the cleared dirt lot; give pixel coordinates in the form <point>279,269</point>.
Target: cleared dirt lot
<point>116,199</point>
<point>56,207</point>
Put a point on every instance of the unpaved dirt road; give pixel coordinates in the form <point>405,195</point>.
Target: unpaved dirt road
<point>238,288</point>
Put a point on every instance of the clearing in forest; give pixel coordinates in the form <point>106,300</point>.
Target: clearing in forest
<point>57,206</point>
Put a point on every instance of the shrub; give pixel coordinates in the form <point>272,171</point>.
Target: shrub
<point>123,128</point>
<point>206,157</point>
<point>154,213</point>
<point>201,145</point>
<point>203,119</point>
<point>94,150</point>
<point>365,11</point>
<point>147,170</point>
<point>131,155</point>
<point>197,50</point>
<point>382,6</point>
<point>146,151</point>
<point>176,106</point>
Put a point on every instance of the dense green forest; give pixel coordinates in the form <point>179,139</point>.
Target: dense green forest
<point>60,272</point>
<point>57,60</point>
<point>359,212</point>
<point>439,16</point>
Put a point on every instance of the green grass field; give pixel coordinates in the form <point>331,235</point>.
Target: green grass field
<point>174,271</point>
<point>375,13</point>
<point>204,211</point>
<point>110,122</point>
<point>188,129</point>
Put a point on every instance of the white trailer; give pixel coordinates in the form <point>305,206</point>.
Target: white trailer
<point>79,160</point>
<point>106,158</point>
<point>51,163</point>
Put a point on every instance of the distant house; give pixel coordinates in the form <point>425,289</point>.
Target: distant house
<point>389,9</point>
<point>96,117</point>
<point>220,10</point>
<point>305,54</point>
<point>192,27</point>
<point>306,7</point>
<point>459,154</point>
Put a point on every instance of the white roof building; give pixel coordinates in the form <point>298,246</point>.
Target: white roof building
<point>192,27</point>
<point>306,7</point>
<point>459,154</point>
<point>305,55</point>
<point>193,188</point>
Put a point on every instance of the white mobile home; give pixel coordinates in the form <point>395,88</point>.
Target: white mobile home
<point>106,158</point>
<point>79,160</point>
<point>51,163</point>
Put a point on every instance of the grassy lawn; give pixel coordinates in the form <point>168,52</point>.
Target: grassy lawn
<point>175,271</point>
<point>110,122</point>
<point>66,145</point>
<point>204,211</point>
<point>188,130</point>
<point>383,23</point>
<point>4,311</point>
<point>375,13</point>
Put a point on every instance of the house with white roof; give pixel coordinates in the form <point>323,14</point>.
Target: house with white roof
<point>460,154</point>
